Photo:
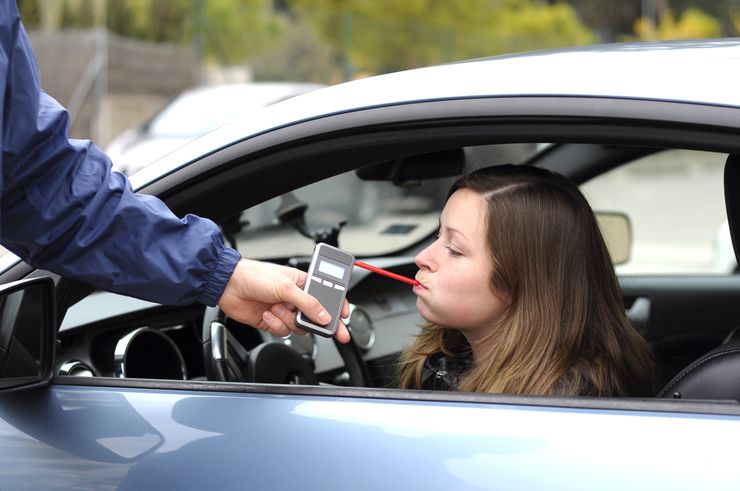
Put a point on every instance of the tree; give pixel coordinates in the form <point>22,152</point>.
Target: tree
<point>691,24</point>
<point>609,20</point>
<point>237,30</point>
<point>79,14</point>
<point>232,32</point>
<point>299,57</point>
<point>30,13</point>
<point>387,35</point>
<point>616,21</point>
<point>724,11</point>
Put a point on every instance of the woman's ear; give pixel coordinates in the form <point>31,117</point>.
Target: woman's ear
<point>504,296</point>
<point>507,299</point>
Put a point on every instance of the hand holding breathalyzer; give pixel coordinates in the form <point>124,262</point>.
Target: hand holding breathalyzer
<point>328,280</point>
<point>266,296</point>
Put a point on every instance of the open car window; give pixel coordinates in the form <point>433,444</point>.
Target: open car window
<point>675,203</point>
<point>672,198</point>
<point>380,218</point>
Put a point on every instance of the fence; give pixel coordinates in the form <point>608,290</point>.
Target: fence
<point>110,83</point>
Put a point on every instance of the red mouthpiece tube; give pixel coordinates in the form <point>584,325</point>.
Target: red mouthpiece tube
<point>394,276</point>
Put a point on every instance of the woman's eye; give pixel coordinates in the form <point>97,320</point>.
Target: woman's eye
<point>452,252</point>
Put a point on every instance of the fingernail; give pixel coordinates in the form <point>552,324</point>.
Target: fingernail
<point>268,316</point>
<point>324,316</point>
<point>278,310</point>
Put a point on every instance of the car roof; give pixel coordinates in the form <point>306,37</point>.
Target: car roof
<point>261,92</point>
<point>695,71</point>
<point>684,71</point>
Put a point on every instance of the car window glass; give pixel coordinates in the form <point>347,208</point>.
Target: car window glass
<point>675,202</point>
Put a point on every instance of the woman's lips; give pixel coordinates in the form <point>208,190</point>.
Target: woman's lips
<point>420,286</point>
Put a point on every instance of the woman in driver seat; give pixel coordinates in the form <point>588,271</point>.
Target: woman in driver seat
<point>520,295</point>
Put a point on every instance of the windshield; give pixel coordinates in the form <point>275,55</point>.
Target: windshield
<point>381,218</point>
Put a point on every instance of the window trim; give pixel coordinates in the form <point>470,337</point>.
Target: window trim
<point>725,408</point>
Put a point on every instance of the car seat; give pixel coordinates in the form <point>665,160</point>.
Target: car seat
<point>716,375</point>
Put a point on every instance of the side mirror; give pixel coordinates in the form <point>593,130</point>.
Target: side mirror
<point>617,232</point>
<point>27,333</point>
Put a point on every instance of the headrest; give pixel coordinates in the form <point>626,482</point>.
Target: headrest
<point>732,200</point>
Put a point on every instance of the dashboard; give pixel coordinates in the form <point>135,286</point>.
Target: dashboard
<point>109,335</point>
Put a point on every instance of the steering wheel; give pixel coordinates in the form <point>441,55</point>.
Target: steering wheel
<point>271,362</point>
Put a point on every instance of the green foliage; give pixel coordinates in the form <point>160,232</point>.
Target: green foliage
<point>387,35</point>
<point>78,14</point>
<point>333,40</point>
<point>30,13</point>
<point>236,30</point>
<point>300,57</point>
<point>230,31</point>
<point>692,24</point>
<point>721,10</point>
<point>620,20</point>
<point>151,20</point>
<point>609,19</point>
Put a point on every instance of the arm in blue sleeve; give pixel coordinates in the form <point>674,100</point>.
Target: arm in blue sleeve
<point>64,210</point>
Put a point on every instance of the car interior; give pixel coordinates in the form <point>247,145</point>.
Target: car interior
<point>714,374</point>
<point>383,206</point>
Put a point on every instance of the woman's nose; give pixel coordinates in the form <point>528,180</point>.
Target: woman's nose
<point>424,258</point>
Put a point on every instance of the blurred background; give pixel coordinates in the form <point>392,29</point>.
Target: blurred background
<point>143,77</point>
<point>115,64</point>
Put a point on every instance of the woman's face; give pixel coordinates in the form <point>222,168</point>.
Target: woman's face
<point>455,270</point>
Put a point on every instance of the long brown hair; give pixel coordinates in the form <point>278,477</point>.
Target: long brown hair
<point>565,332</point>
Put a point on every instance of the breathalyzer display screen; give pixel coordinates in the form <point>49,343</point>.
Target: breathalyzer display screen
<point>331,269</point>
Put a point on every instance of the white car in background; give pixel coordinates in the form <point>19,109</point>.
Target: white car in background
<point>193,113</point>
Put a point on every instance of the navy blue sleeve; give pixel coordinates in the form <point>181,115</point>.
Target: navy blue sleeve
<point>63,209</point>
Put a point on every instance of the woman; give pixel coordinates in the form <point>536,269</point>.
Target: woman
<point>520,295</point>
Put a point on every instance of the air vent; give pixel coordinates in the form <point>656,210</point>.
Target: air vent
<point>398,229</point>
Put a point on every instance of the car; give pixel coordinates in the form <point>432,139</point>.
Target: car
<point>132,398</point>
<point>193,113</point>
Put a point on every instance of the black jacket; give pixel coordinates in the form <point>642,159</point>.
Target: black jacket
<point>444,373</point>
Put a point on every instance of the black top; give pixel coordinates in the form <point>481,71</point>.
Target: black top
<point>442,372</point>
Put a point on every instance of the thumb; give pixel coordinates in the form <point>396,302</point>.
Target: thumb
<point>308,305</point>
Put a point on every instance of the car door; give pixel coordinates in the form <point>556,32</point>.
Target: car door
<point>136,433</point>
<point>151,436</point>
